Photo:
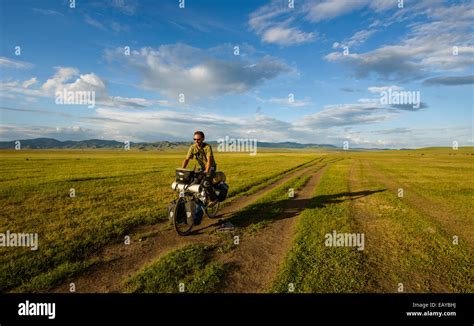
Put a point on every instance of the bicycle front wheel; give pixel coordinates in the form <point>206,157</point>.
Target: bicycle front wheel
<point>211,212</point>
<point>183,224</point>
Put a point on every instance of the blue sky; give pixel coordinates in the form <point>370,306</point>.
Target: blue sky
<point>314,73</point>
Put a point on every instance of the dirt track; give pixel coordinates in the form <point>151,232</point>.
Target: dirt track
<point>256,258</point>
<point>119,261</point>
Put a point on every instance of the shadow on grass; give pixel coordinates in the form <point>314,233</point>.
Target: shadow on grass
<point>322,201</point>
<point>287,208</point>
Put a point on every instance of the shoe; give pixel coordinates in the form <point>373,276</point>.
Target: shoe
<point>212,203</point>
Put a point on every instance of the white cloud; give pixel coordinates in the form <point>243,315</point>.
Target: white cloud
<point>450,80</point>
<point>127,7</point>
<point>273,22</point>
<point>196,73</point>
<point>70,79</point>
<point>117,27</point>
<point>355,40</point>
<point>29,82</point>
<point>347,115</point>
<point>286,36</point>
<point>285,101</point>
<point>16,64</point>
<point>276,23</point>
<point>427,48</point>
<point>95,23</point>
<point>329,9</point>
<point>47,12</point>
<point>74,132</point>
<point>380,89</point>
<point>333,125</point>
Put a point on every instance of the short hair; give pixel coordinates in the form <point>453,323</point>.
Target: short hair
<point>200,133</point>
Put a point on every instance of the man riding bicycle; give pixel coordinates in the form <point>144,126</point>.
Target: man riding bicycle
<point>202,152</point>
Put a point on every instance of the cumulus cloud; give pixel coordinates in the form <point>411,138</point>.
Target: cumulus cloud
<point>71,80</point>
<point>181,69</point>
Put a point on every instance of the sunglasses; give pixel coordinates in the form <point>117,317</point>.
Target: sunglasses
<point>197,139</point>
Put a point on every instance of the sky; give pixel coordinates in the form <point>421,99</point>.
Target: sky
<point>321,71</point>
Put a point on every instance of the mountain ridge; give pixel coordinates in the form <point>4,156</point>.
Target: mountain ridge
<point>52,143</point>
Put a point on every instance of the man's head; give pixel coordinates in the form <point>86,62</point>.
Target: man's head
<point>198,138</point>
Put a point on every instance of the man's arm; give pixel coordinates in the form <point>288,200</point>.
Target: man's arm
<point>208,164</point>
<point>189,156</point>
<point>210,158</point>
<point>185,163</point>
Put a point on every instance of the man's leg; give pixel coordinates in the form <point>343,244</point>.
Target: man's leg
<point>207,184</point>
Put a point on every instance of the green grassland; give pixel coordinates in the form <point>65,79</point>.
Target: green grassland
<point>409,240</point>
<point>192,265</point>
<point>114,192</point>
<point>408,247</point>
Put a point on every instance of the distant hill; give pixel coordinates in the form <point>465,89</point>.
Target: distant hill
<point>292,145</point>
<point>51,143</point>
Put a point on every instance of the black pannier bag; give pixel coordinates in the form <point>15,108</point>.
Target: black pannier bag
<point>184,176</point>
<point>190,211</point>
<point>180,211</point>
<point>222,189</point>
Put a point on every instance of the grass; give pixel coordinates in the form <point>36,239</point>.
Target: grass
<point>403,244</point>
<point>260,214</point>
<point>115,192</point>
<point>191,264</point>
<point>188,266</point>
<point>422,254</point>
<point>440,182</point>
<point>311,266</point>
<point>408,240</point>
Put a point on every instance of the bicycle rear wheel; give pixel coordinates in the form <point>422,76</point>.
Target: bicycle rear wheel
<point>183,224</point>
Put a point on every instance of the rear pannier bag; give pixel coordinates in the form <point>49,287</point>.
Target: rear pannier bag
<point>222,189</point>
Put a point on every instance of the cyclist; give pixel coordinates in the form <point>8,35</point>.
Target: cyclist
<point>202,152</point>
